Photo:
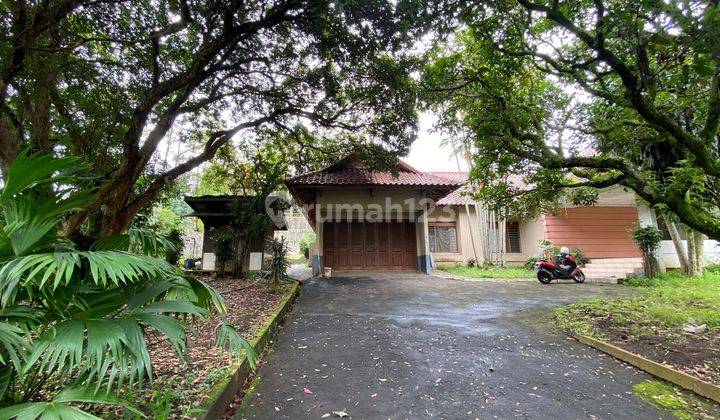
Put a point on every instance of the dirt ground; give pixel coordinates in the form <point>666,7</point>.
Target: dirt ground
<point>695,354</point>
<point>184,386</point>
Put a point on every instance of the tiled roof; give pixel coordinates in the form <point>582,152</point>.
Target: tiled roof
<point>459,197</point>
<point>456,198</point>
<point>359,176</point>
<point>460,177</point>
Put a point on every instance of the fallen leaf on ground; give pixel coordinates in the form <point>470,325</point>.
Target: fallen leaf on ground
<point>307,391</point>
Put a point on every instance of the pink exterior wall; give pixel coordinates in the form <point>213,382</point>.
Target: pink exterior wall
<point>601,232</point>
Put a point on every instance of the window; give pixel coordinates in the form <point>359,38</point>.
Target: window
<point>512,237</point>
<point>443,237</point>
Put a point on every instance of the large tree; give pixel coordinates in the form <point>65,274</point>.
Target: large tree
<point>589,93</point>
<point>110,81</point>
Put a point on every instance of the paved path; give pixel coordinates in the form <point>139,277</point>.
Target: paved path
<point>402,345</point>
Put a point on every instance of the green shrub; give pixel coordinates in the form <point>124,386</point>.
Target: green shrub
<point>580,258</point>
<point>278,264</point>
<point>576,253</point>
<point>174,252</point>
<point>648,239</point>
<point>306,239</point>
<point>224,243</point>
<point>530,262</point>
<point>76,320</point>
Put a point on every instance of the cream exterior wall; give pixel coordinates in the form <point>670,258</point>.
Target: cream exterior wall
<point>531,233</point>
<point>468,233</point>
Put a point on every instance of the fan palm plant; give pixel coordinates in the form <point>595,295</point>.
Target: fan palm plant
<point>75,321</point>
<point>278,263</point>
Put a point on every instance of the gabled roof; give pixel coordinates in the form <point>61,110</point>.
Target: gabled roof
<point>359,176</point>
<point>349,171</point>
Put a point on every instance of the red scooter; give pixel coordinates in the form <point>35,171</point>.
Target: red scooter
<point>565,268</point>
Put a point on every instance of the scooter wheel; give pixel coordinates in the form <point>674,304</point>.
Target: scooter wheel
<point>544,277</point>
<point>579,277</point>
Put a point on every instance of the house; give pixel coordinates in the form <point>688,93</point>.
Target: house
<point>411,220</point>
<point>213,212</point>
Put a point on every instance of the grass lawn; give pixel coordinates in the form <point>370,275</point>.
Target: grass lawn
<point>651,323</point>
<point>489,272</point>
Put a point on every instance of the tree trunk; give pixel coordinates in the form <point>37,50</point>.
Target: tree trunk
<point>699,251</point>
<point>693,269</point>
<point>241,248</point>
<point>677,243</point>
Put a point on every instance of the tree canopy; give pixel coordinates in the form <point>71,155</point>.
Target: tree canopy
<point>576,95</point>
<point>109,82</point>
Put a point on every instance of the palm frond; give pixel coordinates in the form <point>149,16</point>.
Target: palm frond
<point>12,345</point>
<point>228,338</point>
<point>60,409</point>
<point>141,241</point>
<point>29,170</point>
<point>195,290</point>
<point>22,316</point>
<point>104,267</point>
<point>169,327</point>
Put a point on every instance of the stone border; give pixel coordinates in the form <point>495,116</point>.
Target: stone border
<point>223,393</point>
<point>680,379</point>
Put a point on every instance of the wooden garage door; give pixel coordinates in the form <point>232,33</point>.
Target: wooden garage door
<point>601,232</point>
<point>370,246</point>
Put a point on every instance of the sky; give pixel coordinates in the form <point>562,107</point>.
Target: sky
<point>428,153</point>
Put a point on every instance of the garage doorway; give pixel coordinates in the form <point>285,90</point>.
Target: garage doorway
<point>370,246</point>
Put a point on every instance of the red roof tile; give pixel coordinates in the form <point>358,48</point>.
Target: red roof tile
<point>456,198</point>
<point>460,177</point>
<point>359,176</point>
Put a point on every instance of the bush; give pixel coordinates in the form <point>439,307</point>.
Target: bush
<point>174,252</point>
<point>580,258</point>
<point>306,239</point>
<point>278,263</point>
<point>577,253</point>
<point>648,239</point>
<point>78,321</point>
<point>224,242</point>
<point>530,262</point>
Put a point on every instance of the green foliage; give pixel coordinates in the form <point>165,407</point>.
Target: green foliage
<point>76,323</point>
<point>489,272</point>
<point>224,243</point>
<point>108,82</point>
<point>662,306</point>
<point>173,253</point>
<point>548,246</point>
<point>584,196</point>
<point>306,238</point>
<point>648,238</point>
<point>253,175</point>
<point>648,120</point>
<point>685,405</point>
<point>580,257</point>
<point>278,264</point>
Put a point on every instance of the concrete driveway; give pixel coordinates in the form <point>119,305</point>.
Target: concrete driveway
<point>405,345</point>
